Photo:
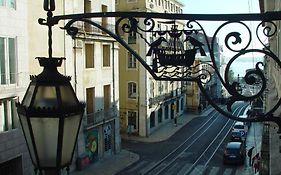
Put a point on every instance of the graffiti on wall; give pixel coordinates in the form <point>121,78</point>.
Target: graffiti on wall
<point>91,143</point>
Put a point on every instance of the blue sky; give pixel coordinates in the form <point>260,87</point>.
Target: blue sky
<point>220,6</point>
<point>224,7</point>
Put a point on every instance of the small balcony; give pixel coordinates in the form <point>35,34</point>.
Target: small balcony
<point>100,116</point>
<point>90,29</point>
<point>160,98</point>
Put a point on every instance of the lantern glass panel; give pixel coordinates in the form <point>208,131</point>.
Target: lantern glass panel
<point>71,127</point>
<point>27,135</point>
<point>46,96</point>
<point>68,96</point>
<point>45,132</point>
<point>28,96</point>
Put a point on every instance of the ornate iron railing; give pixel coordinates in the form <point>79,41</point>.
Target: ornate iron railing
<point>172,51</point>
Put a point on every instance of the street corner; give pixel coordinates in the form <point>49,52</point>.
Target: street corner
<point>126,158</point>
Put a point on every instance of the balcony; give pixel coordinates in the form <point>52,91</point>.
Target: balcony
<point>160,98</point>
<point>15,82</point>
<point>100,116</point>
<point>90,29</point>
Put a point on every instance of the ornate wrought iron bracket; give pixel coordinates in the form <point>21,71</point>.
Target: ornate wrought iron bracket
<point>179,51</point>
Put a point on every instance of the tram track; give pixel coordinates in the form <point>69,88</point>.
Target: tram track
<point>162,166</point>
<point>210,149</point>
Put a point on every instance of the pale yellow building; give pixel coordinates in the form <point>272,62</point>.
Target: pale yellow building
<point>146,104</point>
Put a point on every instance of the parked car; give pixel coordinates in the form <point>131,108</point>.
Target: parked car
<point>240,127</point>
<point>246,123</point>
<point>237,136</point>
<point>234,153</point>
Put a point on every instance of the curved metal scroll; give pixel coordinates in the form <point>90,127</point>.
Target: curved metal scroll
<point>184,52</point>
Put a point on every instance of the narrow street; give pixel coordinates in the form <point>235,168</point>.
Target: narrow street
<point>197,148</point>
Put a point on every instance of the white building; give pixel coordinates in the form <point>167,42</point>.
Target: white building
<point>92,61</point>
<point>14,78</point>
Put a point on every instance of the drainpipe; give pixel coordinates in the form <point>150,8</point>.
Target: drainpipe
<point>114,102</point>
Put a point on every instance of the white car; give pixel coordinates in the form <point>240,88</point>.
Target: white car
<point>248,124</point>
<point>240,127</point>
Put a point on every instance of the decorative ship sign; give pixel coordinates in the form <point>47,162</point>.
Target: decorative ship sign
<point>172,52</point>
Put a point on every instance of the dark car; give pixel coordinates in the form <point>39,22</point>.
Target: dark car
<point>236,136</point>
<point>234,153</point>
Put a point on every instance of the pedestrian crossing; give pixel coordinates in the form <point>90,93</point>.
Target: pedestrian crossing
<point>183,168</point>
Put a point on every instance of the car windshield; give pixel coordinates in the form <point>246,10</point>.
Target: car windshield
<point>232,151</point>
<point>239,127</point>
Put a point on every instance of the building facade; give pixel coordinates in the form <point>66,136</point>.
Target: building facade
<point>270,153</point>
<point>14,78</point>
<point>195,100</point>
<point>92,60</point>
<point>146,104</point>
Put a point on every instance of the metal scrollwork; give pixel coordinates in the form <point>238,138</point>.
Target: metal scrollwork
<point>182,50</point>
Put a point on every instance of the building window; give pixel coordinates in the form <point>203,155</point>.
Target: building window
<point>166,112</point>
<point>152,119</point>
<point>8,3</point>
<point>160,115</point>
<point>89,51</point>
<point>131,61</point>
<point>160,87</point>
<point>132,119</point>
<point>106,97</point>
<point>106,55</point>
<point>87,9</point>
<point>12,167</point>
<point>90,100</point>
<point>132,90</point>
<point>151,88</point>
<point>166,86</point>
<point>7,60</point>
<point>104,22</point>
<point>8,115</point>
<point>132,38</point>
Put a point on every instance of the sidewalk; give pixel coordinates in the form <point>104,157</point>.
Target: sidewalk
<point>168,129</point>
<point>254,138</point>
<point>274,150</point>
<point>115,163</point>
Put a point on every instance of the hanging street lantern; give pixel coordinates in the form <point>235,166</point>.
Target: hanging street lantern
<point>50,115</point>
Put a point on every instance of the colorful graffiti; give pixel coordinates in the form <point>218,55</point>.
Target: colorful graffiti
<point>91,143</point>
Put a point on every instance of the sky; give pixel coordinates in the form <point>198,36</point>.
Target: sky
<point>220,6</point>
<point>227,7</point>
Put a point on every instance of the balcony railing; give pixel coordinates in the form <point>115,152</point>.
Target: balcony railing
<point>100,116</point>
<point>14,79</point>
<point>160,98</point>
<point>88,28</point>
